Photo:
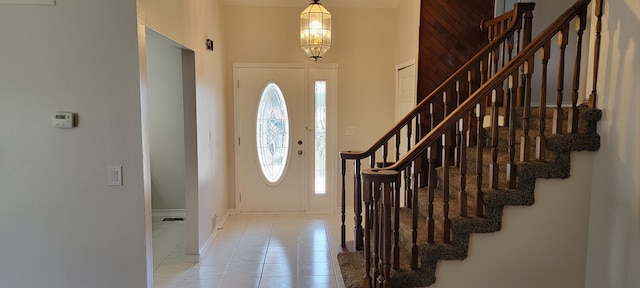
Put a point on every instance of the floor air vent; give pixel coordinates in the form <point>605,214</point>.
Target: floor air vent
<point>173,219</point>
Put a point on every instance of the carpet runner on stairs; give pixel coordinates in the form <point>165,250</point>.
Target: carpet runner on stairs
<point>557,165</point>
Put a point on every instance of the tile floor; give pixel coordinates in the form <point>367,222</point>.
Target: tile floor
<point>251,251</point>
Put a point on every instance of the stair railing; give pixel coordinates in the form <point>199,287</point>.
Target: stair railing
<point>507,35</point>
<point>381,184</point>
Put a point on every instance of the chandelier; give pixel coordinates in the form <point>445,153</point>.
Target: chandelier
<point>315,30</point>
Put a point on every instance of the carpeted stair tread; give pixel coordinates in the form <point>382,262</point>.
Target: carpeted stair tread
<point>557,165</point>
<point>534,118</point>
<point>352,263</point>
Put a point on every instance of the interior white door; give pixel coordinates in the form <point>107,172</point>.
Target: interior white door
<point>271,160</point>
<point>405,98</point>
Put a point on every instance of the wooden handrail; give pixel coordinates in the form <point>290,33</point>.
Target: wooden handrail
<point>481,67</point>
<point>469,104</point>
<point>520,9</point>
<point>513,79</point>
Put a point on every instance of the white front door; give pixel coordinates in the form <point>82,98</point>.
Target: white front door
<point>272,170</point>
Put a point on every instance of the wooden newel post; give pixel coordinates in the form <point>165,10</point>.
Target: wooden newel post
<point>387,181</point>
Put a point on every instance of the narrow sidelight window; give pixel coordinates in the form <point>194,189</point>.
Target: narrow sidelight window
<point>321,136</point>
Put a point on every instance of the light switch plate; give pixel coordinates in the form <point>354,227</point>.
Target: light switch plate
<point>350,131</point>
<point>115,175</point>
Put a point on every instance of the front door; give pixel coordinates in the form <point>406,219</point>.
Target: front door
<point>271,168</point>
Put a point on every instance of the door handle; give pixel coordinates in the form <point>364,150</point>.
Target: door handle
<point>299,152</point>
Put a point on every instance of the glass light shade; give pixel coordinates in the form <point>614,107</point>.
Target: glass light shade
<point>315,30</point>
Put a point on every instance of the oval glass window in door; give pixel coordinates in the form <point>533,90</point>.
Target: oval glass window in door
<point>272,133</point>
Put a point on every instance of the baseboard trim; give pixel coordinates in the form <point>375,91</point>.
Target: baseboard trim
<point>214,233</point>
<point>169,212</point>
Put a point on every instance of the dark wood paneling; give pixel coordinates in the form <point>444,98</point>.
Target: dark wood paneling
<point>449,35</point>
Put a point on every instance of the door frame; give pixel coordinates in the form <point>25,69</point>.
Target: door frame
<point>190,138</point>
<point>332,136</point>
<point>411,63</point>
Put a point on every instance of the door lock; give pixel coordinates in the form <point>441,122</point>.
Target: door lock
<point>299,152</point>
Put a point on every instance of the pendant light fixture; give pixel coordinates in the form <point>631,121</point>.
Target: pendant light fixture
<point>315,30</point>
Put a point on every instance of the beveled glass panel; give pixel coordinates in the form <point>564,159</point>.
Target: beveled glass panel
<point>320,136</point>
<point>272,133</point>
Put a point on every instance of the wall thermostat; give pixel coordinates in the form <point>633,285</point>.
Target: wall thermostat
<point>63,119</point>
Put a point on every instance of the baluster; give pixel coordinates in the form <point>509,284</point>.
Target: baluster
<point>409,131</point>
<point>457,144</point>
<point>489,59</point>
<point>431,152</point>
<point>484,67</point>
<point>463,170</point>
<point>408,195</point>
<point>541,139</point>
<point>486,74</point>
<point>418,135</point>
<point>343,208</point>
<point>387,202</point>
<point>558,115</point>
<point>447,107</point>
<point>446,149</point>
<point>483,72</point>
<point>495,60</point>
<point>493,168</point>
<point>511,166</point>
<point>396,192</point>
<point>528,26</point>
<point>572,122</point>
<point>367,236</point>
<point>385,154</point>
<point>596,54</point>
<point>398,135</point>
<point>414,224</point>
<point>376,229</point>
<point>507,92</point>
<point>471,131</point>
<point>396,224</point>
<point>372,162</point>
<point>421,164</point>
<point>490,33</point>
<point>357,205</point>
<point>424,125</point>
<point>446,163</point>
<point>525,140</point>
<point>480,112</point>
<point>517,34</point>
<point>520,93</point>
<point>504,48</point>
<point>526,39</point>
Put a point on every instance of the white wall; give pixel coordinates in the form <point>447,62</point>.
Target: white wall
<point>166,125</point>
<point>544,14</point>
<point>62,226</point>
<point>407,31</point>
<point>363,47</point>
<point>190,23</point>
<point>543,245</point>
<point>614,230</point>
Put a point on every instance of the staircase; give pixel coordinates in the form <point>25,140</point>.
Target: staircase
<point>459,170</point>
